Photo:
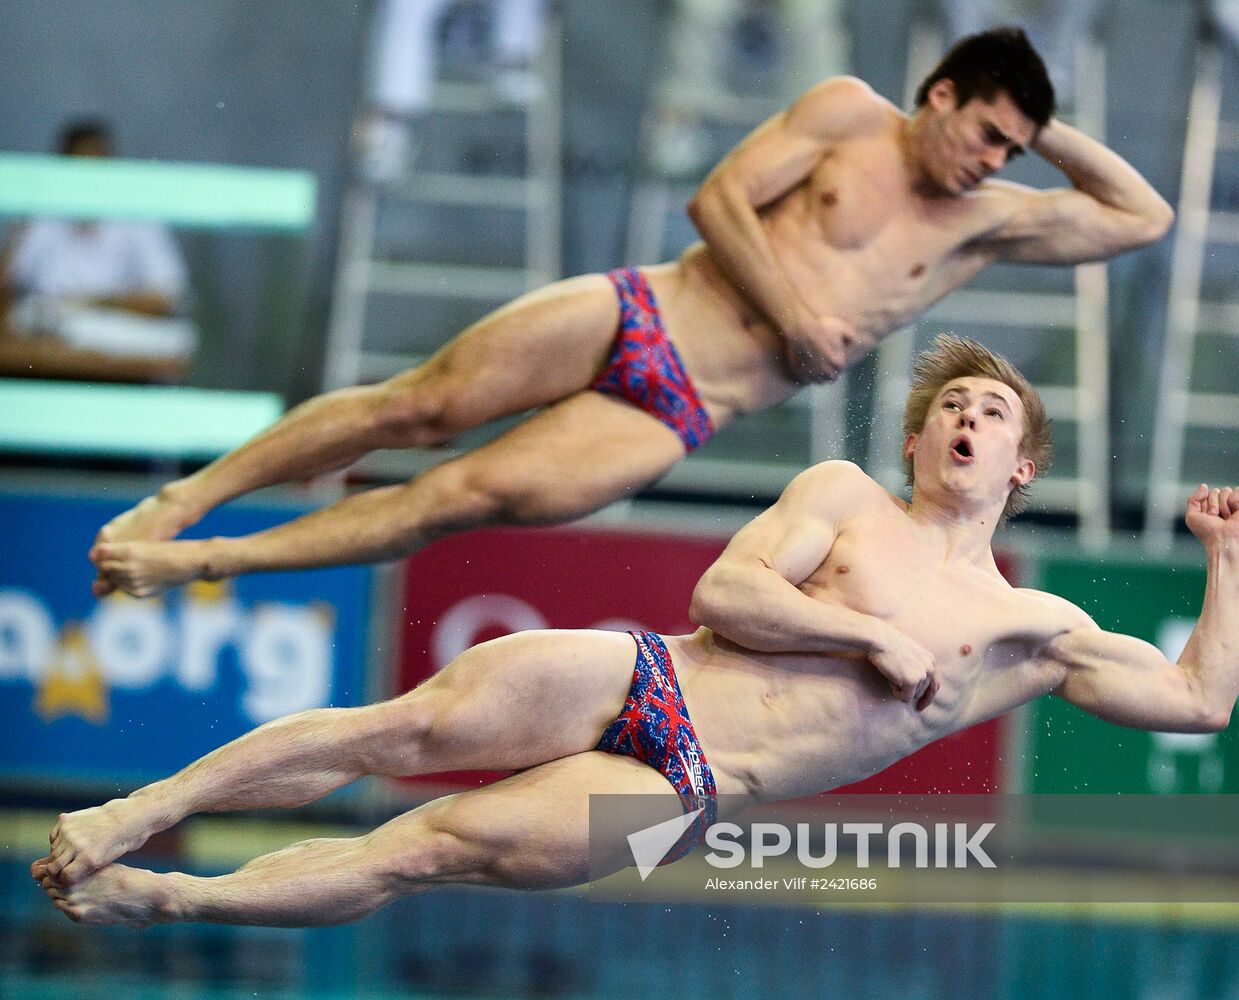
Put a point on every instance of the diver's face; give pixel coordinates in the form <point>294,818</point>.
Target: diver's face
<point>975,141</point>
<point>968,450</point>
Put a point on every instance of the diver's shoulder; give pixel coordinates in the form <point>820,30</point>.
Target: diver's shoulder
<point>847,104</point>
<point>1066,615</point>
<point>840,477</point>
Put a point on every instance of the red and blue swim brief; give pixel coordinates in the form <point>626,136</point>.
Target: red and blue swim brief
<point>654,728</point>
<point>644,368</point>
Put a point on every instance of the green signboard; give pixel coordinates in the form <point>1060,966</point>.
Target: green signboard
<point>1069,750</point>
<point>203,195</point>
<point>83,418</point>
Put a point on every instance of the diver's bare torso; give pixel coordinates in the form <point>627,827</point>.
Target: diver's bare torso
<point>776,725</point>
<point>856,241</point>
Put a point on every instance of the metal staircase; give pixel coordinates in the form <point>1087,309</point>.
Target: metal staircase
<point>1202,230</point>
<point>365,271</point>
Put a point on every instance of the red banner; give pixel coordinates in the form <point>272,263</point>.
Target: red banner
<point>484,584</point>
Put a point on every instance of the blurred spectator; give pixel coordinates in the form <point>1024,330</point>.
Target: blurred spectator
<point>1226,18</point>
<point>1055,27</point>
<point>721,49</point>
<point>404,56</point>
<point>94,298</point>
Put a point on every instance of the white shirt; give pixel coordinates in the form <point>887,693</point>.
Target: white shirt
<point>63,257</point>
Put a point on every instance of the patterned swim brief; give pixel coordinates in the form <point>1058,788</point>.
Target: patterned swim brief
<point>644,368</point>
<point>654,727</point>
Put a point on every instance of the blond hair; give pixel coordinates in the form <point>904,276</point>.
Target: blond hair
<point>958,357</point>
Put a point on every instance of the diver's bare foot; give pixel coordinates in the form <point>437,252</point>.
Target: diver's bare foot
<point>82,842</point>
<point>144,569</point>
<point>115,894</point>
<point>156,519</point>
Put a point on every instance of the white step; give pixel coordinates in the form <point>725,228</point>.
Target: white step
<point>1039,309</point>
<point>473,190</point>
<point>460,97</point>
<point>1212,409</point>
<point>1223,227</point>
<point>1228,136</point>
<point>445,281</point>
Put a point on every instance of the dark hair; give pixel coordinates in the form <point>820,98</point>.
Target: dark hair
<point>999,60</point>
<point>950,358</point>
<point>75,133</point>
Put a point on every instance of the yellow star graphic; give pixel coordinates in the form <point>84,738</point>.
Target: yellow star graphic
<point>208,591</point>
<point>74,683</point>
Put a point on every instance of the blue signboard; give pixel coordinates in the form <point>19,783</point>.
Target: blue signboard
<point>121,690</point>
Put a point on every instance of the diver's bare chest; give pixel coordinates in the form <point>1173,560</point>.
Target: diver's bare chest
<point>952,611</point>
<point>863,206</point>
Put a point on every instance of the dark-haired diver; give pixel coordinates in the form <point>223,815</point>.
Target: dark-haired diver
<point>834,223</point>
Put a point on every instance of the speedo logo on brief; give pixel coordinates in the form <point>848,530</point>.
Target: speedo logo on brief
<point>693,770</point>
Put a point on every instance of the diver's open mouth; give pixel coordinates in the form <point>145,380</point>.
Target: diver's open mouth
<point>961,449</point>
